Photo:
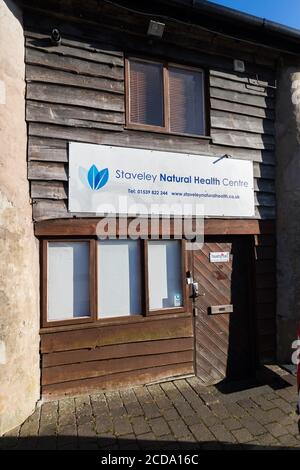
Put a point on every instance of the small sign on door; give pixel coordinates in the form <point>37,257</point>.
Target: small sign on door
<point>177,300</point>
<point>219,257</point>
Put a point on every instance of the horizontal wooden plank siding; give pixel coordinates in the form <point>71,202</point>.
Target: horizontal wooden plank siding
<point>49,75</point>
<point>106,335</point>
<point>52,93</point>
<point>49,190</point>
<point>228,82</point>
<point>242,109</point>
<point>73,49</point>
<point>75,92</point>
<point>71,115</point>
<point>83,370</point>
<point>242,116</point>
<point>81,66</point>
<point>101,355</point>
<point>117,381</point>
<point>118,350</point>
<point>47,171</point>
<point>242,139</point>
<point>256,125</point>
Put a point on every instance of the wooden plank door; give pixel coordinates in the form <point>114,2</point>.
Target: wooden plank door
<point>224,341</point>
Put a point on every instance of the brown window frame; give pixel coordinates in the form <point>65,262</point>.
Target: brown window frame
<point>44,282</point>
<point>93,278</point>
<point>166,105</point>
<point>184,264</point>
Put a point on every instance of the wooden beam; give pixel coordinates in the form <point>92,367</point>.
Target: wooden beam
<point>89,227</point>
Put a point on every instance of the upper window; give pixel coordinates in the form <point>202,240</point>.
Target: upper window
<point>146,94</point>
<point>164,97</point>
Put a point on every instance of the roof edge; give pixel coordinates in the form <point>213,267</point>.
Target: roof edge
<point>251,20</point>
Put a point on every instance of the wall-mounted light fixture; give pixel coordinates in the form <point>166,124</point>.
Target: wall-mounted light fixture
<point>156,29</point>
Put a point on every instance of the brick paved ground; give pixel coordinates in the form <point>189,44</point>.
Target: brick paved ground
<point>171,415</point>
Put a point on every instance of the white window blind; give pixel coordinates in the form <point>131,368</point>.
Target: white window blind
<point>68,280</point>
<point>146,93</point>
<point>119,278</point>
<point>164,274</point>
<point>186,101</point>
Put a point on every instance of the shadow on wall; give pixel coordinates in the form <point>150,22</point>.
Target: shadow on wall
<point>242,360</point>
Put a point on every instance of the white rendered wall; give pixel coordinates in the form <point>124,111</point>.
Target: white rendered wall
<point>19,272</point>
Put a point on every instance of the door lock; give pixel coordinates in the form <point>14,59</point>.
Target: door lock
<point>194,285</point>
<point>195,289</point>
<point>189,278</point>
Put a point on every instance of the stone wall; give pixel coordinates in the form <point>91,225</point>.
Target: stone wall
<point>19,272</point>
<point>288,208</point>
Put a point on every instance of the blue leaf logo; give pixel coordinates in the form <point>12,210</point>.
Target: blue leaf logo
<point>101,178</point>
<point>97,179</point>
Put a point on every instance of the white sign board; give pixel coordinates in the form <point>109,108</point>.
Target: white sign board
<point>129,181</point>
<point>219,257</point>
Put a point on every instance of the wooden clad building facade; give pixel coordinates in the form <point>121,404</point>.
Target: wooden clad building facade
<point>77,91</point>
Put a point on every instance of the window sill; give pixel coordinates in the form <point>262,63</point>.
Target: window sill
<point>114,321</point>
<point>70,322</point>
<point>163,132</point>
<point>170,310</point>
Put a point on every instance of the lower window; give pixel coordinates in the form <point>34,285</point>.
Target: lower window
<point>89,280</point>
<point>68,280</point>
<point>119,278</point>
<point>164,274</point>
